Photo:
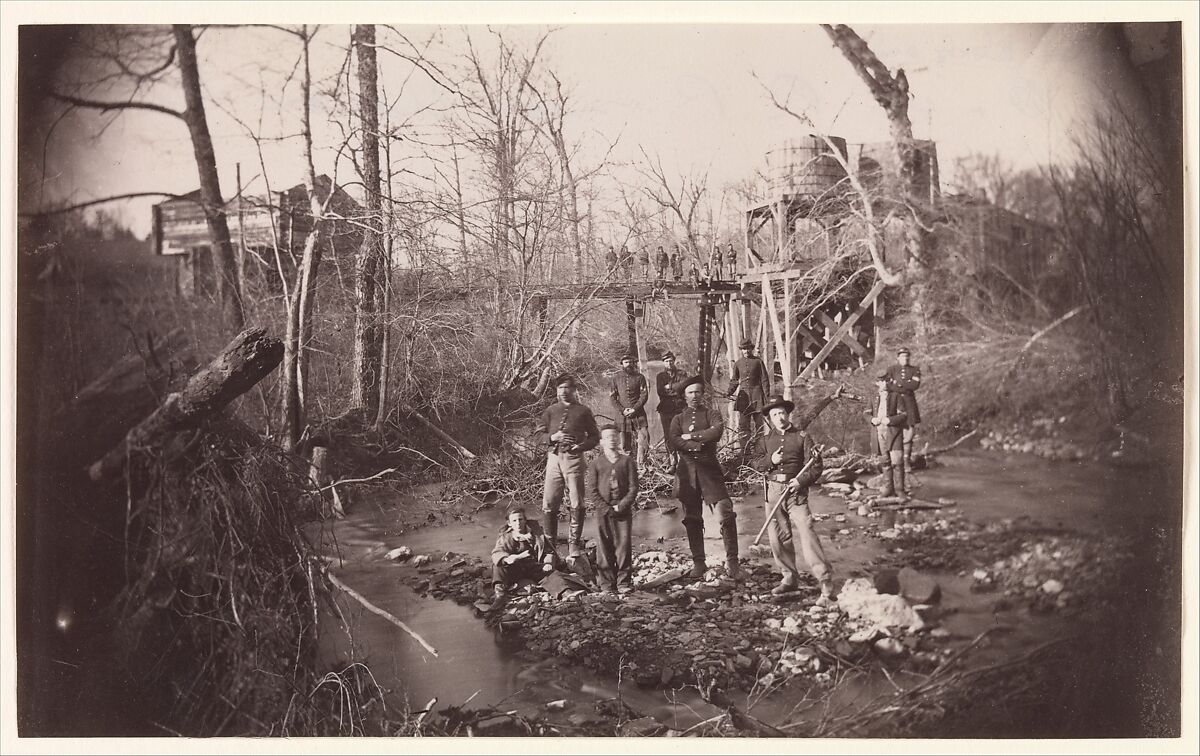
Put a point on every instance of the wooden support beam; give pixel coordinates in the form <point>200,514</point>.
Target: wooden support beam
<point>789,350</point>
<point>848,337</point>
<point>834,338</point>
<point>776,331</point>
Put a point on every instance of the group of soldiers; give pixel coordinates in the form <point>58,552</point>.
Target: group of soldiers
<point>668,263</point>
<point>783,452</point>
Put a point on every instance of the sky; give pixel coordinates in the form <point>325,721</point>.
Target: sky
<point>695,95</point>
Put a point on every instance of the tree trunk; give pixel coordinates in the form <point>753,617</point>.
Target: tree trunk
<point>300,308</point>
<point>246,361</point>
<point>210,185</point>
<point>365,370</point>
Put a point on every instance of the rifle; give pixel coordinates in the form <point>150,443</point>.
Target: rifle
<point>787,494</point>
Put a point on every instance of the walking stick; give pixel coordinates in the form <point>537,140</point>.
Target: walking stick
<point>787,494</point>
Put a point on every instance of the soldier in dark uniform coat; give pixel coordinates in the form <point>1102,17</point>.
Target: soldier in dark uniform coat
<point>643,258</point>
<point>661,261</point>
<point>610,260</point>
<point>695,433</point>
<point>629,392</point>
<point>783,453</point>
<point>731,259</point>
<point>677,263</point>
<point>749,385</point>
<point>612,488</point>
<point>906,379</point>
<point>670,399</point>
<point>887,440</point>
<point>627,262</point>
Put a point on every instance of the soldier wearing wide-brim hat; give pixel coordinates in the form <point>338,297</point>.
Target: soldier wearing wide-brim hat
<point>749,385</point>
<point>568,429</point>
<point>695,433</point>
<point>906,379</point>
<point>629,392</point>
<point>791,462</point>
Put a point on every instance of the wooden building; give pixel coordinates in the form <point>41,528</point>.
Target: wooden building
<point>268,235</point>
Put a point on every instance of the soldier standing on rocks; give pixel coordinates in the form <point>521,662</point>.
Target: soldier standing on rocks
<point>629,394</point>
<point>887,441</point>
<point>612,487</point>
<point>749,384</point>
<point>906,379</point>
<point>695,433</point>
<point>670,402</point>
<point>783,455</point>
<point>522,552</point>
<point>568,429</point>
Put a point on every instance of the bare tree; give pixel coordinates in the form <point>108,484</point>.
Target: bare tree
<point>134,58</point>
<point>680,199</point>
<point>367,344</point>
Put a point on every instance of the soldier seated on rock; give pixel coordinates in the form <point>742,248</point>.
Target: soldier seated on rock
<point>522,552</point>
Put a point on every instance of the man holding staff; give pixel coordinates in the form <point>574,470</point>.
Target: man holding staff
<point>791,462</point>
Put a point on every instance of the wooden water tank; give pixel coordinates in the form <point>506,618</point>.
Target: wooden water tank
<point>804,166</point>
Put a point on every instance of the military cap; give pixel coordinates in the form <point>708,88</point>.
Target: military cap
<point>628,356</point>
<point>903,350</point>
<point>778,401</point>
<point>566,379</point>
<point>669,356</point>
<point>746,344</point>
<point>689,381</point>
<point>608,426</point>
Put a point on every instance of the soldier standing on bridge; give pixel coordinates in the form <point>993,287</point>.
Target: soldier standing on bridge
<point>715,259</point>
<point>568,429</point>
<point>677,263</point>
<point>610,261</point>
<point>661,261</point>
<point>670,402</point>
<point>643,256</point>
<point>629,394</point>
<point>749,384</point>
<point>906,379</point>
<point>695,433</point>
<point>627,262</point>
<point>731,258</point>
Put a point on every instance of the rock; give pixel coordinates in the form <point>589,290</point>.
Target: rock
<point>558,705</point>
<point>457,573</point>
<point>918,588</point>
<point>889,648</point>
<point>399,554</point>
<point>839,518</point>
<point>886,581</point>
<point>1052,587</point>
<point>583,719</point>
<point>667,577</point>
<point>742,662</point>
<point>420,560</point>
<point>940,633</point>
<point>859,599</point>
<point>645,727</point>
<point>864,636</point>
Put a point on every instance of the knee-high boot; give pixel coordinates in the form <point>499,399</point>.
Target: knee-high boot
<point>576,531</point>
<point>908,460</point>
<point>695,536</point>
<point>901,484</point>
<point>729,535</point>
<point>550,525</point>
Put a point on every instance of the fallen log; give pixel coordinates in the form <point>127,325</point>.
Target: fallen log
<point>927,452</point>
<point>246,361</point>
<point>462,450</point>
<point>381,612</point>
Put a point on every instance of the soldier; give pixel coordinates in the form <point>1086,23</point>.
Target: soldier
<point>715,257</point>
<point>629,392</point>
<point>887,441</point>
<point>906,379</point>
<point>610,260</point>
<point>670,401</point>
<point>731,259</point>
<point>569,429</point>
<point>612,486</point>
<point>627,262</point>
<point>677,263</point>
<point>695,274</point>
<point>698,478</point>
<point>661,261</point>
<point>749,384</point>
<point>643,257</point>
<point>522,551</point>
<point>792,463</point>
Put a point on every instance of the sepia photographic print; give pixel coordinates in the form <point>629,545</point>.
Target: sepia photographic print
<point>673,370</point>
